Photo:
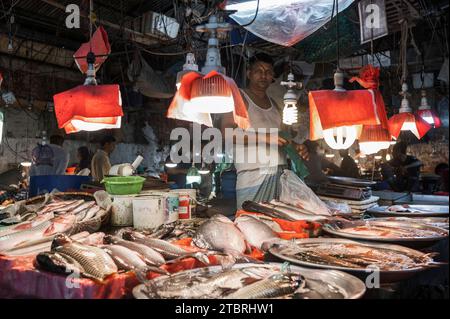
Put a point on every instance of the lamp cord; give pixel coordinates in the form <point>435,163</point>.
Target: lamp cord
<point>337,33</point>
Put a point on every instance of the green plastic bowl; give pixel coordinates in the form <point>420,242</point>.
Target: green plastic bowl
<point>123,185</point>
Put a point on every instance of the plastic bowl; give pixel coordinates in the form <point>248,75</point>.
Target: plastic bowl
<point>123,185</point>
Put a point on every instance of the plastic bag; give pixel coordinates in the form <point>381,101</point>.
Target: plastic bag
<point>284,22</point>
<point>295,192</point>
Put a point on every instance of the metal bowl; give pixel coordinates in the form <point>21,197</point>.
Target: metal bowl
<point>362,273</point>
<point>334,228</point>
<point>440,222</point>
<point>416,211</point>
<point>352,287</point>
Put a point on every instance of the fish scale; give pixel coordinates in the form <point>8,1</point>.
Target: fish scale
<point>95,262</point>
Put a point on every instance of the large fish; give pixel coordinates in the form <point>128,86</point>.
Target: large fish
<point>96,263</point>
<point>272,287</point>
<point>58,263</point>
<point>219,233</point>
<point>18,238</point>
<point>149,255</point>
<point>26,225</point>
<point>255,231</point>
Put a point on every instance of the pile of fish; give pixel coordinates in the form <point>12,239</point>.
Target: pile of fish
<point>176,230</point>
<point>281,210</point>
<point>219,233</point>
<point>385,229</point>
<point>133,251</point>
<point>351,255</point>
<point>440,222</point>
<point>242,283</point>
<point>35,230</point>
<point>251,281</point>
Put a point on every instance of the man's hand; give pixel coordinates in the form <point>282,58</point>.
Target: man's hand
<point>281,141</point>
<point>302,151</point>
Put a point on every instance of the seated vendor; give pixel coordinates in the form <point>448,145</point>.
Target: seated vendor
<point>406,169</point>
<point>317,165</point>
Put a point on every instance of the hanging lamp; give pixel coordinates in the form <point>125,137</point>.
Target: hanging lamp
<point>374,138</point>
<point>189,66</point>
<point>427,113</point>
<point>406,120</point>
<point>90,107</point>
<point>338,115</point>
<point>208,92</point>
<point>290,111</point>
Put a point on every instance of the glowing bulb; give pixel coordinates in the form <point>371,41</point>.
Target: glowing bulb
<point>211,104</point>
<point>388,157</point>
<point>378,157</point>
<point>290,113</point>
<point>356,161</point>
<point>408,126</point>
<point>171,165</point>
<point>428,119</point>
<point>203,171</point>
<point>25,164</point>
<point>331,155</point>
<point>373,147</point>
<point>102,123</point>
<point>393,142</point>
<point>338,143</point>
<point>193,176</point>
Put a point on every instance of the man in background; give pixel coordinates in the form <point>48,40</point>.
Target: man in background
<point>348,165</point>
<point>100,164</point>
<point>406,169</point>
<point>51,159</point>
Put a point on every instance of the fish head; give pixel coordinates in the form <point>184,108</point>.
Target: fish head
<point>60,240</point>
<point>109,239</point>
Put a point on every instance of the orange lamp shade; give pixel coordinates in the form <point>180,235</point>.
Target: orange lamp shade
<point>99,44</point>
<point>199,96</point>
<point>89,108</point>
<point>373,139</point>
<point>431,117</point>
<point>408,122</point>
<point>331,109</point>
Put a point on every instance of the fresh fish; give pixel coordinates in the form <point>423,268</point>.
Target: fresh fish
<point>15,239</point>
<point>272,287</point>
<point>149,255</point>
<point>353,255</point>
<point>91,213</point>
<point>167,250</point>
<point>66,209</point>
<point>295,213</point>
<point>232,279</point>
<point>61,224</point>
<point>219,233</point>
<point>94,239</point>
<point>82,207</point>
<point>26,225</point>
<point>52,207</point>
<point>58,263</point>
<point>96,263</point>
<point>255,231</point>
<point>127,259</point>
<point>36,248</point>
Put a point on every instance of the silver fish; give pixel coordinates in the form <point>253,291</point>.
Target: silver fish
<point>96,263</point>
<point>219,233</point>
<point>255,231</point>
<point>82,207</point>
<point>91,213</point>
<point>13,240</point>
<point>150,256</point>
<point>167,250</point>
<point>272,287</point>
<point>68,208</point>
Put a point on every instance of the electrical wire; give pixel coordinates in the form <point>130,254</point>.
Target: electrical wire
<point>254,17</point>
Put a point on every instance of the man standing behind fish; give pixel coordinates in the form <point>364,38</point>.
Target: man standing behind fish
<point>259,181</point>
<point>100,163</point>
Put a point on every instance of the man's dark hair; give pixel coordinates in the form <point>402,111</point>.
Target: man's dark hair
<point>260,57</point>
<point>400,147</point>
<point>57,140</point>
<point>107,139</point>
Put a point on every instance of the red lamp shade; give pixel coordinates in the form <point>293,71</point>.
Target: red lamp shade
<point>329,109</point>
<point>99,44</point>
<point>89,108</point>
<point>199,96</point>
<point>408,122</point>
<point>431,117</point>
<point>373,139</point>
